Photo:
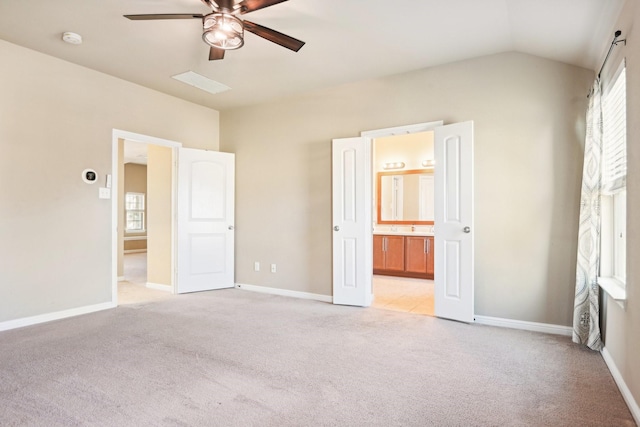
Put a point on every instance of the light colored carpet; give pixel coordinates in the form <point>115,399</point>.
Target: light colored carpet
<point>236,358</point>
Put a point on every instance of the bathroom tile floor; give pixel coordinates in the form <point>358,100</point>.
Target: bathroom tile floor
<point>403,294</point>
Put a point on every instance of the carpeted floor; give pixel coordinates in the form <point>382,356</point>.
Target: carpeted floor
<point>236,358</point>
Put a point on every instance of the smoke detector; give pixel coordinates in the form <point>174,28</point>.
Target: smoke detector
<point>72,38</point>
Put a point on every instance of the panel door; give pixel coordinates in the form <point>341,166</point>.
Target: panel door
<point>454,268</point>
<point>352,234</point>
<point>205,234</point>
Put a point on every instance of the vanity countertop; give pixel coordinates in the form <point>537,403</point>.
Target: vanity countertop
<point>403,233</point>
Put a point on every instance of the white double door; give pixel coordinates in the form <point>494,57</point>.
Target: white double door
<point>205,220</point>
<point>352,221</point>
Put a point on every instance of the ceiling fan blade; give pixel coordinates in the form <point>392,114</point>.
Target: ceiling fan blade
<point>215,54</point>
<point>247,6</point>
<point>274,36</point>
<point>150,17</point>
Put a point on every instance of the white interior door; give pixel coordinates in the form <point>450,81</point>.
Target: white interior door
<point>205,235</point>
<point>454,222</point>
<point>352,234</point>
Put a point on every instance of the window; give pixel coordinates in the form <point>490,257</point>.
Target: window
<point>134,212</point>
<point>614,187</point>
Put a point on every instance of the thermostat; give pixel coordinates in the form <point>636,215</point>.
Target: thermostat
<point>89,176</point>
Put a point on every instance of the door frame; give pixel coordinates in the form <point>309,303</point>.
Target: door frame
<point>386,132</point>
<point>117,135</point>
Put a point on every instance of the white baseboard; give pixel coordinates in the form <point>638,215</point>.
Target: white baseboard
<point>134,251</point>
<point>159,287</point>
<point>527,326</point>
<point>624,390</point>
<point>284,292</point>
<point>48,317</point>
<point>121,278</point>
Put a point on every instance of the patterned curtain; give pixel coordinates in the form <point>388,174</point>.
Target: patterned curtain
<point>586,313</point>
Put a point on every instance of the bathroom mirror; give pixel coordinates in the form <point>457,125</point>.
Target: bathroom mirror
<point>405,197</point>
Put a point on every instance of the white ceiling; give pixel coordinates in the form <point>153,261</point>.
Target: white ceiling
<point>135,152</point>
<point>346,40</point>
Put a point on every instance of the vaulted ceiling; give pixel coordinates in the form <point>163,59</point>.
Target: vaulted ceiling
<point>346,40</point>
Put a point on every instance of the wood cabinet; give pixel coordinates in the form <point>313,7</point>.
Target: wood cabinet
<point>388,253</point>
<point>406,256</point>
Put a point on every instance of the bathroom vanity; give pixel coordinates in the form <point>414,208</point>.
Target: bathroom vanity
<point>405,255</point>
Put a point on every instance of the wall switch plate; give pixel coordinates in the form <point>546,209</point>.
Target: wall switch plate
<point>256,266</point>
<point>104,193</point>
<point>273,268</point>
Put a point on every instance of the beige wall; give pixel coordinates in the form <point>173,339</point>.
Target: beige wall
<point>56,119</point>
<point>529,130</point>
<point>159,207</point>
<point>135,181</point>
<point>622,330</point>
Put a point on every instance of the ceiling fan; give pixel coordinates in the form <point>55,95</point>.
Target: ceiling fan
<point>223,30</point>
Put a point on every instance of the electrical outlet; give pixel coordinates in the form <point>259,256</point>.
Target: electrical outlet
<point>273,268</point>
<point>256,266</point>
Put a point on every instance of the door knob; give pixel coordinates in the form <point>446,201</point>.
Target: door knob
<point>231,227</point>
<point>336,228</point>
<point>467,229</point>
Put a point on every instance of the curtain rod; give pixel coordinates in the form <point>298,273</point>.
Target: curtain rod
<point>615,42</point>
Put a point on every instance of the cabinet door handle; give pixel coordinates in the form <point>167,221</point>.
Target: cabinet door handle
<point>427,243</point>
<point>384,246</point>
<point>425,246</point>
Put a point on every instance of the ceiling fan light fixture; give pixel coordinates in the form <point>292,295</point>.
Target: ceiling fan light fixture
<point>223,31</point>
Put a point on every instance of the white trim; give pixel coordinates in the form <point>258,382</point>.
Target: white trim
<point>624,390</point>
<point>527,326</point>
<point>121,278</point>
<point>134,251</point>
<point>160,287</point>
<point>146,139</point>
<point>614,287</point>
<point>48,317</point>
<point>402,130</point>
<point>284,292</point>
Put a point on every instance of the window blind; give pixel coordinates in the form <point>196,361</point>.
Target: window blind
<point>614,135</point>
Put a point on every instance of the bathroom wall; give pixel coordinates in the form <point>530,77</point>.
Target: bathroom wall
<point>410,149</point>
